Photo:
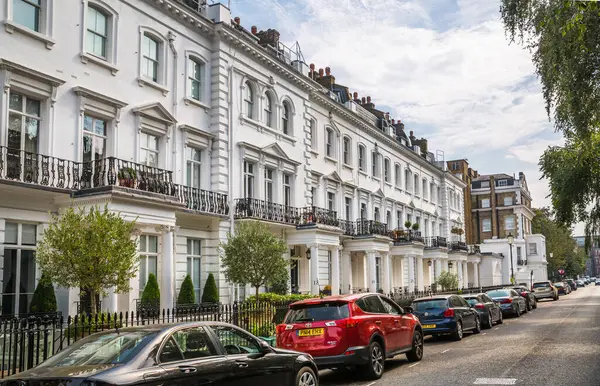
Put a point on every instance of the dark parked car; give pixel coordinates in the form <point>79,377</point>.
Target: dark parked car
<point>447,314</point>
<point>195,353</point>
<point>510,301</point>
<point>527,295</point>
<point>489,311</point>
<point>360,330</point>
<point>572,283</point>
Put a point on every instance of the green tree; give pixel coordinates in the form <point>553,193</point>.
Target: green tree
<point>186,292</point>
<point>151,294</point>
<point>559,241</point>
<point>44,299</point>
<point>211,291</point>
<point>563,37</point>
<point>254,255</point>
<point>89,249</point>
<point>447,281</point>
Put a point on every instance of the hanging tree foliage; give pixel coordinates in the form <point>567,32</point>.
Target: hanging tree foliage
<point>90,249</point>
<point>564,39</point>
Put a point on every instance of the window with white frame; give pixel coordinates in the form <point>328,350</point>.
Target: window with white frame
<point>193,167</point>
<point>269,185</point>
<point>509,223</point>
<point>196,70</point>
<point>94,138</point>
<point>508,201</point>
<point>399,221</point>
<point>418,221</point>
<point>149,149</point>
<point>485,202</point>
<point>376,215</point>
<point>329,142</point>
<point>287,189</point>
<point>439,195</point>
<point>150,57</point>
<point>249,100</point>
<point>313,195</point>
<point>397,175</point>
<point>194,266</point>
<point>416,184</point>
<point>148,259</point>
<point>24,119</point>
<point>386,170</point>
<point>406,180</point>
<point>374,164</point>
<point>441,229</point>
<point>286,124</point>
<point>409,217</point>
<point>532,248</point>
<point>331,201</point>
<point>431,192</point>
<point>346,151</point>
<point>388,218</point>
<point>426,228</point>
<point>313,134</point>
<point>18,274</point>
<point>268,110</point>
<point>97,32</point>
<point>248,180</point>
<point>486,225</point>
<point>424,188</point>
<point>502,182</point>
<point>348,208</point>
<point>485,184</point>
<point>28,13</point>
<point>363,211</point>
<point>361,158</point>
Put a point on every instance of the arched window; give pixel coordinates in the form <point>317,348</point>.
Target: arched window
<point>249,100</point>
<point>285,118</point>
<point>268,110</point>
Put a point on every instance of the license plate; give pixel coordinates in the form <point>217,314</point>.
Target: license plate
<point>311,332</point>
<point>428,325</point>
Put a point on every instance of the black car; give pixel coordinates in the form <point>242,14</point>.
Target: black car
<point>195,353</point>
<point>529,297</point>
<point>446,314</point>
<point>489,311</point>
<point>572,283</point>
<point>510,301</point>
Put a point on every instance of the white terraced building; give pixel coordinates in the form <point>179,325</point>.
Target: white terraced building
<point>219,124</point>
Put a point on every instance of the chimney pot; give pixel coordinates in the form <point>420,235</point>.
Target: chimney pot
<point>312,66</point>
<point>328,71</point>
<point>237,20</point>
<point>368,99</point>
<point>355,95</point>
<point>321,72</point>
<point>364,100</point>
<point>254,30</point>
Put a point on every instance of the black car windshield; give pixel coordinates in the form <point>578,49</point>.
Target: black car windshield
<point>112,348</point>
<point>432,304</point>
<point>499,294</point>
<point>541,285</point>
<point>317,312</point>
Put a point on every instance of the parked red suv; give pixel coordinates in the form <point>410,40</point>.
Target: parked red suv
<point>352,330</point>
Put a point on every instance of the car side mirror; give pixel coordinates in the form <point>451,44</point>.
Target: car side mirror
<point>408,310</point>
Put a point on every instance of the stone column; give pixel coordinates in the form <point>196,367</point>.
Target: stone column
<point>476,275</point>
<point>411,274</point>
<point>314,269</point>
<point>346,278</point>
<point>372,273</point>
<point>287,256</point>
<point>444,265</point>
<point>466,274</point>
<point>420,276</point>
<point>438,268</point>
<point>387,288</point>
<point>459,270</point>
<point>166,280</point>
<point>335,270</point>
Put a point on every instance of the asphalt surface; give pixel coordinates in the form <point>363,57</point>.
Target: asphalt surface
<point>557,344</point>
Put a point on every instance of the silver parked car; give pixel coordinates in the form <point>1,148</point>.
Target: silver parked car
<point>545,290</point>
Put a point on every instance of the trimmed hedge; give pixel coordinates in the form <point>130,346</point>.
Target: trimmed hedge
<point>211,292</point>
<point>186,293</point>
<point>151,294</point>
<point>44,299</point>
<point>271,297</point>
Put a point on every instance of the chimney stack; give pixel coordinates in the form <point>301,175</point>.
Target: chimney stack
<point>254,30</point>
<point>237,20</point>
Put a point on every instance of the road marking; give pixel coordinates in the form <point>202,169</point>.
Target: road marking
<point>371,384</point>
<point>414,364</point>
<point>495,381</point>
<point>484,333</point>
<point>445,351</point>
<point>497,328</point>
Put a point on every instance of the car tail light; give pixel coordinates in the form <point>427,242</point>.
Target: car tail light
<point>523,293</point>
<point>345,323</point>
<point>283,327</point>
<point>449,313</point>
<point>506,301</point>
<point>479,305</point>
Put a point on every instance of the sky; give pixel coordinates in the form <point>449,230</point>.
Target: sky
<point>444,67</point>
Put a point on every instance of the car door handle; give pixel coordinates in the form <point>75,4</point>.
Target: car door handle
<point>187,369</point>
<point>241,364</point>
<point>396,321</point>
<point>378,322</point>
<point>153,375</point>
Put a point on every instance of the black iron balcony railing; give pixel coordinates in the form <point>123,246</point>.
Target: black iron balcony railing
<point>41,170</point>
<point>521,262</point>
<point>436,242</point>
<point>474,249</point>
<point>265,210</point>
<point>315,215</point>
<point>371,227</point>
<point>349,227</point>
<point>401,236</point>
<point>459,246</point>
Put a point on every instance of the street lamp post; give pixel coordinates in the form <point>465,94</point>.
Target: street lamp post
<point>511,240</point>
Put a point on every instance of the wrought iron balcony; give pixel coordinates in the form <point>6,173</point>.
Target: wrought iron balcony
<point>436,242</point>
<point>371,227</point>
<point>79,177</point>
<point>402,236</point>
<point>349,227</point>
<point>474,249</point>
<point>458,246</point>
<point>265,210</point>
<point>315,215</point>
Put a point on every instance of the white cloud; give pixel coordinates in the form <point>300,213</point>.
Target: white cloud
<point>532,151</point>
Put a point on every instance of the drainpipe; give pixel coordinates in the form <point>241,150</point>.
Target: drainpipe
<point>171,38</point>
<point>230,157</point>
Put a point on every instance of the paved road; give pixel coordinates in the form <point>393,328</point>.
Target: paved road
<point>557,344</point>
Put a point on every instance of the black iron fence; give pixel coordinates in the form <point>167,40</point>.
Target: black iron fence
<point>370,227</point>
<point>406,236</point>
<point>26,342</point>
<point>435,242</point>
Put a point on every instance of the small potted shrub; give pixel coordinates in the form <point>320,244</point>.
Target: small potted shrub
<point>327,290</point>
<point>407,224</point>
<point>127,177</point>
<point>415,227</point>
